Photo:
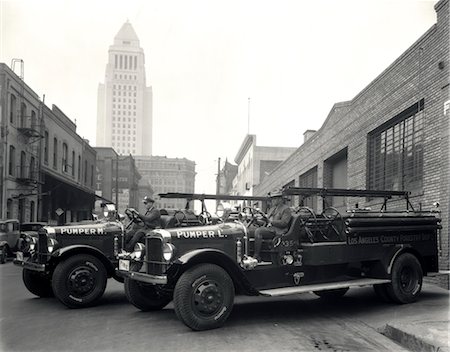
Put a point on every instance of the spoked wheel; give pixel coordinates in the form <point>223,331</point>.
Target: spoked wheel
<point>79,281</point>
<point>308,221</point>
<point>204,297</point>
<point>335,223</point>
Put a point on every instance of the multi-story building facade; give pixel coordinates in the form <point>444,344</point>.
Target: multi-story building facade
<point>168,175</point>
<point>67,170</point>
<point>255,163</point>
<point>46,168</point>
<point>106,173</point>
<point>124,116</point>
<point>20,143</point>
<point>393,135</point>
<point>226,177</point>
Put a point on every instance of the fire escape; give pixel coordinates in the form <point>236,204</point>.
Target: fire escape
<point>30,127</point>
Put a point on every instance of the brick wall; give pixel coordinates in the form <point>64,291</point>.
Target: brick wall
<point>421,72</point>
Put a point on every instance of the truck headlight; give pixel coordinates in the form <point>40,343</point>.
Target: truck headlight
<point>51,244</point>
<point>139,250</point>
<point>168,251</point>
<point>33,242</point>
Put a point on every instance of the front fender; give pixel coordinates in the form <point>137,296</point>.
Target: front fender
<point>212,256</point>
<point>65,252</point>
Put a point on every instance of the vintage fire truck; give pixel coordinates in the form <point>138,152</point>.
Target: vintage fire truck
<point>74,261</point>
<point>202,269</point>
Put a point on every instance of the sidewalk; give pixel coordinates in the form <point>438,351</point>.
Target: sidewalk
<point>424,325</point>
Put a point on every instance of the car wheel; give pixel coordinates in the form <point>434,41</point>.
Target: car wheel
<point>332,294</point>
<point>3,255</point>
<point>37,283</point>
<point>407,278</point>
<point>146,297</point>
<point>381,292</point>
<point>204,297</point>
<point>79,281</point>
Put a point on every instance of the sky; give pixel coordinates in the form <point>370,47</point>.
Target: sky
<point>205,59</point>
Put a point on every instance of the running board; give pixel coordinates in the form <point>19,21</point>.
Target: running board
<point>285,291</point>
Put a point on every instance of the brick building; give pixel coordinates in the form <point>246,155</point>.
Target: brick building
<point>394,134</point>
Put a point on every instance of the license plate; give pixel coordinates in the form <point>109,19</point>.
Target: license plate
<point>124,265</point>
<point>19,256</point>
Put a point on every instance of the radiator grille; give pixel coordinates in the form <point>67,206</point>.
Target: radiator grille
<point>154,255</point>
<point>42,247</point>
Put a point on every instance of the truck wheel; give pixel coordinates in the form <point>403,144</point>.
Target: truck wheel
<point>406,279</point>
<point>79,281</point>
<point>38,284</point>
<point>381,292</point>
<point>204,297</point>
<point>146,297</point>
<point>332,294</point>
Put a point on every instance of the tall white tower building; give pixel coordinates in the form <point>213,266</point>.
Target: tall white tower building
<point>124,113</point>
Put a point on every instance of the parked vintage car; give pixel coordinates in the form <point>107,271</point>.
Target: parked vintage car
<point>202,269</point>
<point>10,238</point>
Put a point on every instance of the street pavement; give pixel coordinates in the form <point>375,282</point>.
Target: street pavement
<point>357,322</point>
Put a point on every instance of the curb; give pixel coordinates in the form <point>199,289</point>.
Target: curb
<point>412,341</point>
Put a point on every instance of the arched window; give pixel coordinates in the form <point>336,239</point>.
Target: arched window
<point>12,108</point>
<point>12,160</point>
<point>33,120</point>
<point>23,115</point>
<point>23,160</point>
<point>32,169</point>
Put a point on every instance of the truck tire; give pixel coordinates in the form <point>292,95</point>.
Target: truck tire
<point>332,294</point>
<point>381,292</point>
<point>37,283</point>
<point>204,297</point>
<point>79,281</point>
<point>146,297</point>
<point>406,281</point>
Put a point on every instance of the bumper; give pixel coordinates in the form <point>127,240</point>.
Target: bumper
<point>147,278</point>
<point>29,265</point>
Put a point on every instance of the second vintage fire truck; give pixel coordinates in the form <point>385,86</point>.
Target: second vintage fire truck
<point>202,268</point>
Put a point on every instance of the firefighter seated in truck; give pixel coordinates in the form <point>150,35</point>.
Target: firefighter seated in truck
<point>149,221</point>
<point>279,218</point>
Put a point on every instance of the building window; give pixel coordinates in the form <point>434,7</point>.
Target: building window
<point>85,171</point>
<point>33,120</point>
<point>33,175</point>
<point>395,152</point>
<point>23,160</point>
<point>12,160</point>
<point>55,153</point>
<point>12,107</point>
<point>23,115</point>
<point>92,175</point>
<point>73,163</point>
<point>65,155</point>
<point>9,208</point>
<point>46,147</point>
<point>32,207</point>
<point>79,168</point>
<point>115,61</point>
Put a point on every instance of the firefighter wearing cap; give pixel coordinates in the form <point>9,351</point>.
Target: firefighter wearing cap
<point>279,216</point>
<point>150,220</point>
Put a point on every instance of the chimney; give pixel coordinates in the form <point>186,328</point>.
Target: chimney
<point>308,134</point>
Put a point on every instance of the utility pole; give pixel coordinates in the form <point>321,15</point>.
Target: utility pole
<point>248,116</point>
<point>218,180</point>
<point>117,182</point>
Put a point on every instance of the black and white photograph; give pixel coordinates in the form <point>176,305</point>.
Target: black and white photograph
<point>224,175</point>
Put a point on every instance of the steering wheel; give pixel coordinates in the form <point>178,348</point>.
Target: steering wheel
<point>308,220</point>
<point>179,218</point>
<point>335,222</point>
<point>133,215</point>
<point>254,213</point>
